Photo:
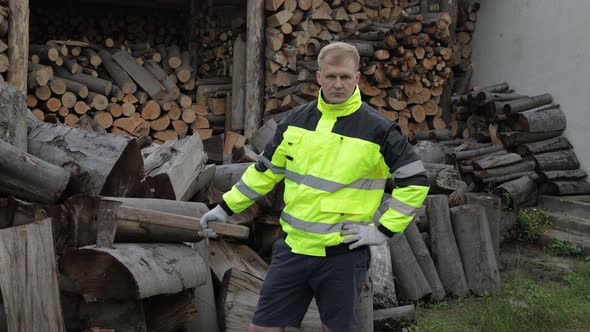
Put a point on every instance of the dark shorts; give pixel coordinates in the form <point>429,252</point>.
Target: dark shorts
<point>293,280</point>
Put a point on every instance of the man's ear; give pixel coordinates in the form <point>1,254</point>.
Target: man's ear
<point>317,76</point>
<point>357,76</point>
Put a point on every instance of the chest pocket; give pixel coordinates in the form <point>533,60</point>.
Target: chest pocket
<point>293,146</point>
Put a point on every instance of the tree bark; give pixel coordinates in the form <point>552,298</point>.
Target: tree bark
<point>515,138</point>
<point>444,247</point>
<point>517,193</point>
<point>557,160</point>
<point>565,187</point>
<point>105,164</point>
<point>412,283</point>
<point>424,260</point>
<point>29,178</point>
<point>254,67</point>
<point>524,104</point>
<point>552,144</point>
<point>134,270</point>
<point>384,295</point>
<point>28,278</point>
<point>546,120</point>
<point>13,112</point>
<point>486,162</point>
<point>522,166</point>
<point>475,246</point>
<point>576,174</point>
<point>18,43</point>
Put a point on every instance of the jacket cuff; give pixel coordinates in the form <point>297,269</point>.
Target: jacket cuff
<point>226,208</point>
<point>385,231</point>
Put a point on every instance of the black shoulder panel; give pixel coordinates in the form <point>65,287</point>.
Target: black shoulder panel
<point>366,124</point>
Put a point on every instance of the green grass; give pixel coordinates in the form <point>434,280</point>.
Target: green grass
<point>523,304</point>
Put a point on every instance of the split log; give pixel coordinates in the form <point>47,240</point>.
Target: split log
<point>444,247</point>
<point>238,84</point>
<point>169,313</point>
<point>224,256</point>
<point>228,175</point>
<point>424,260</point>
<point>27,177</point>
<point>133,269</point>
<point>517,193</point>
<point>117,73</point>
<point>390,318</point>
<point>492,161</point>
<point>472,232</point>
<point>264,135</point>
<point>523,166</point>
<point>412,283</point>
<point>546,120</point>
<point>565,187</point>
<point>237,301</point>
<point>98,163</point>
<point>147,82</point>
<point>28,278</point>
<point>205,319</point>
<point>556,160</point>
<point>515,138</point>
<point>254,67</point>
<point>552,144</point>
<point>13,111</point>
<point>174,166</point>
<point>18,43</point>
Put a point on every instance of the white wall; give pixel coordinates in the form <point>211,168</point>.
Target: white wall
<point>539,46</point>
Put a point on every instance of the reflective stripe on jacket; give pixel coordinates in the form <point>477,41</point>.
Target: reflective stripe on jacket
<point>335,164</point>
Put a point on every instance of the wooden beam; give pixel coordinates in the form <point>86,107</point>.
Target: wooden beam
<point>254,66</point>
<point>18,43</point>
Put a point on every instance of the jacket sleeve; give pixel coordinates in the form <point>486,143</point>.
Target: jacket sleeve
<point>259,178</point>
<point>410,180</point>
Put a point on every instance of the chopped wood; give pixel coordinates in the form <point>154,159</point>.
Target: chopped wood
<point>147,82</point>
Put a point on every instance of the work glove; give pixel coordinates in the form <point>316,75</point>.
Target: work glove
<point>362,235</point>
<point>216,214</point>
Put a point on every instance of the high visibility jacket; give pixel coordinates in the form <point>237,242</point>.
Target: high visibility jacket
<point>335,160</point>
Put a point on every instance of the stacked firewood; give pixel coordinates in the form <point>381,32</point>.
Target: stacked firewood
<point>405,57</point>
<point>4,60</point>
<point>526,153</point>
<point>136,81</point>
<point>461,60</point>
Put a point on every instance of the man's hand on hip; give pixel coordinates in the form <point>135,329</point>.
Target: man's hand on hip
<point>216,214</point>
<point>362,235</point>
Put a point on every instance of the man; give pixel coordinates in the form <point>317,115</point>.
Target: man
<point>335,155</point>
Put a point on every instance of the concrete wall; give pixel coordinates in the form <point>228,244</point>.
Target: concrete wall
<point>539,46</point>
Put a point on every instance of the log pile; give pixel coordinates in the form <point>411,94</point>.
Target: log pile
<point>461,60</point>
<point>405,57</point>
<point>132,80</point>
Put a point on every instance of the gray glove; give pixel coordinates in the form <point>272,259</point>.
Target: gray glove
<point>216,214</point>
<point>362,234</point>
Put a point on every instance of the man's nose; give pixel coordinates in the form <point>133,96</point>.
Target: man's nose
<point>338,83</point>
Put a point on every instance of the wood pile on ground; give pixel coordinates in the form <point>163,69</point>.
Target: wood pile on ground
<point>461,61</point>
<point>129,77</point>
<point>405,54</point>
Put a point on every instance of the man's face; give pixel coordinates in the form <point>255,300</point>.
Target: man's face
<point>338,78</point>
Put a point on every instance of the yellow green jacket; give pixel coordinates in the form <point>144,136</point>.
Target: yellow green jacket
<point>335,160</point>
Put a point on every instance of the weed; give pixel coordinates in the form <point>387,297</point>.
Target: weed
<point>565,248</point>
<point>531,224</point>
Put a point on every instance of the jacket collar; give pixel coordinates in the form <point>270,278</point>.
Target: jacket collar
<point>345,108</point>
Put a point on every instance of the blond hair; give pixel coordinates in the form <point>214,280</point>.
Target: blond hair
<point>339,50</point>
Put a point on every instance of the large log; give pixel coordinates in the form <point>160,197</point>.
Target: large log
<point>557,160</point>
<point>224,256</point>
<point>493,212</point>
<point>205,318</point>
<point>390,318</point>
<point>444,247</point>
<point>515,138</point>
<point>423,258</point>
<point>174,166</point>
<point>136,271</point>
<point>527,103</point>
<point>492,161</point>
<point>254,67</point>
<point>147,82</point>
<point>565,187</point>
<point>18,43</point>
<point>13,111</point>
<point>228,175</point>
<point>522,166</point>
<point>475,246</point>
<point>576,174</point>
<point>238,98</point>
<point>552,144</point>
<point>28,278</point>
<point>546,120</point>
<point>237,299</point>
<point>517,193</point>
<point>29,178</point>
<point>105,164</point>
<point>364,310</point>
<point>412,283</point>
<point>384,295</point>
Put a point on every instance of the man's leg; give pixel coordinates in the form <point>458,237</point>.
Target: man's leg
<point>285,294</point>
<point>337,285</point>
